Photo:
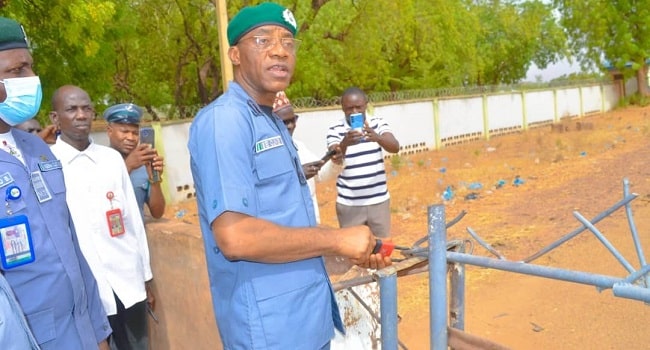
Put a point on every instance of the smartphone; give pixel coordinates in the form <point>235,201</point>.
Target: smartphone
<point>328,155</point>
<point>356,121</point>
<point>147,135</point>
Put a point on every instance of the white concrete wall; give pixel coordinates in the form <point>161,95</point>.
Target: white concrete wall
<point>413,123</point>
<point>538,110</point>
<point>592,100</point>
<point>505,111</point>
<point>460,116</point>
<point>568,102</point>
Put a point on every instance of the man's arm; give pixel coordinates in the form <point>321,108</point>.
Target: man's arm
<point>243,237</point>
<point>156,199</point>
<point>386,140</point>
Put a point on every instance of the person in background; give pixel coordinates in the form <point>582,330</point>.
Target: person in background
<point>106,216</point>
<point>44,266</point>
<point>311,164</point>
<point>264,254</point>
<point>362,193</point>
<point>141,159</point>
<point>31,126</point>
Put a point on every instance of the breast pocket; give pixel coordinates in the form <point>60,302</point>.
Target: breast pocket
<point>276,174</point>
<point>54,180</point>
<point>42,325</point>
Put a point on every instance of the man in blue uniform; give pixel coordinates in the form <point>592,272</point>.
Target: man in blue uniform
<point>141,159</point>
<point>268,281</point>
<point>40,256</point>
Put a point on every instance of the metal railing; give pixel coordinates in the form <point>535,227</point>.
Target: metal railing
<point>445,261</point>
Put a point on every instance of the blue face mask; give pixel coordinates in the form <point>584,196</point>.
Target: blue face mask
<point>23,99</point>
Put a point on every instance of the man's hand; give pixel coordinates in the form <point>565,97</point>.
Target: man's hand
<point>312,169</point>
<point>103,345</point>
<point>151,299</point>
<point>48,134</point>
<point>157,163</point>
<point>352,137</point>
<point>141,155</point>
<point>369,133</point>
<point>357,243</point>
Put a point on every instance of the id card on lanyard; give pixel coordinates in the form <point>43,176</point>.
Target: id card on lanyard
<point>114,218</point>
<point>16,237</point>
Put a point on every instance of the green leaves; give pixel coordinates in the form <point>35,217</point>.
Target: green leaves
<point>164,55</point>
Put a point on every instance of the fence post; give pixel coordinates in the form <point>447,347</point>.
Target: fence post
<point>438,277</point>
<point>388,307</point>
<point>523,112</point>
<point>582,102</point>
<point>457,294</point>
<point>555,113</point>
<point>436,124</point>
<point>486,118</point>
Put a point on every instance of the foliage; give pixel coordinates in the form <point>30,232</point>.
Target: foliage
<point>606,33</point>
<point>164,55</point>
<point>513,35</point>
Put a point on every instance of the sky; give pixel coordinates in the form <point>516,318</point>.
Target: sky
<point>552,71</point>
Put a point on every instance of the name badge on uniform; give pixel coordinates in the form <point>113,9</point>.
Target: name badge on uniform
<point>6,179</point>
<point>17,248</point>
<point>267,144</point>
<point>49,165</point>
<point>38,183</point>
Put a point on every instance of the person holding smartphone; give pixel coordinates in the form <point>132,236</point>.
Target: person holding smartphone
<point>360,140</point>
<point>141,158</point>
<point>311,164</point>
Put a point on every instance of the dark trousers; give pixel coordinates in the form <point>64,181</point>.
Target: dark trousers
<point>129,327</point>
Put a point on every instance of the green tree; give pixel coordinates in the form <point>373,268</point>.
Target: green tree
<point>513,35</point>
<point>68,44</point>
<point>609,33</point>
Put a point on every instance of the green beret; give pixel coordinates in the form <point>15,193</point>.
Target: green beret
<point>12,35</point>
<point>251,17</point>
<point>123,113</point>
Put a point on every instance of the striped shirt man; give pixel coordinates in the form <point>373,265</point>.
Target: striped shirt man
<point>363,179</point>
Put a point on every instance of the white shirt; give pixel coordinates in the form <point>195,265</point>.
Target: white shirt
<point>120,264</point>
<point>306,156</point>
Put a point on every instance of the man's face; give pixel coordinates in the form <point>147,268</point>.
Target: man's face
<point>289,118</point>
<point>73,115</point>
<point>123,137</point>
<point>353,103</point>
<point>32,126</point>
<point>14,63</point>
<point>264,70</point>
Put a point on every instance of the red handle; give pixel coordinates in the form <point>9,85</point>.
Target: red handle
<point>385,248</point>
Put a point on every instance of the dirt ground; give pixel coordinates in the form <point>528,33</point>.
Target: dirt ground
<point>561,171</point>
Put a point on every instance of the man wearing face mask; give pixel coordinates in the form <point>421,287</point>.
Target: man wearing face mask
<point>41,258</point>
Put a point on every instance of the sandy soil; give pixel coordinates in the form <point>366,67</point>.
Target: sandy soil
<point>563,170</point>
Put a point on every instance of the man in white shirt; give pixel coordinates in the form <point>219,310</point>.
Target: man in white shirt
<point>311,164</point>
<point>106,217</point>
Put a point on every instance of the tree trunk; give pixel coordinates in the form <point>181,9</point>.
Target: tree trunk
<point>642,81</point>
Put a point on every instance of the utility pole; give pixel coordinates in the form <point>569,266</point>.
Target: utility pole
<point>222,22</point>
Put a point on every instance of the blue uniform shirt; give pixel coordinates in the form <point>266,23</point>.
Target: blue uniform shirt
<point>57,292</point>
<point>140,181</point>
<point>243,160</point>
<point>14,331</point>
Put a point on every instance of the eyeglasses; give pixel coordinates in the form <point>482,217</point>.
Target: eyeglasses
<point>293,120</point>
<point>265,43</point>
